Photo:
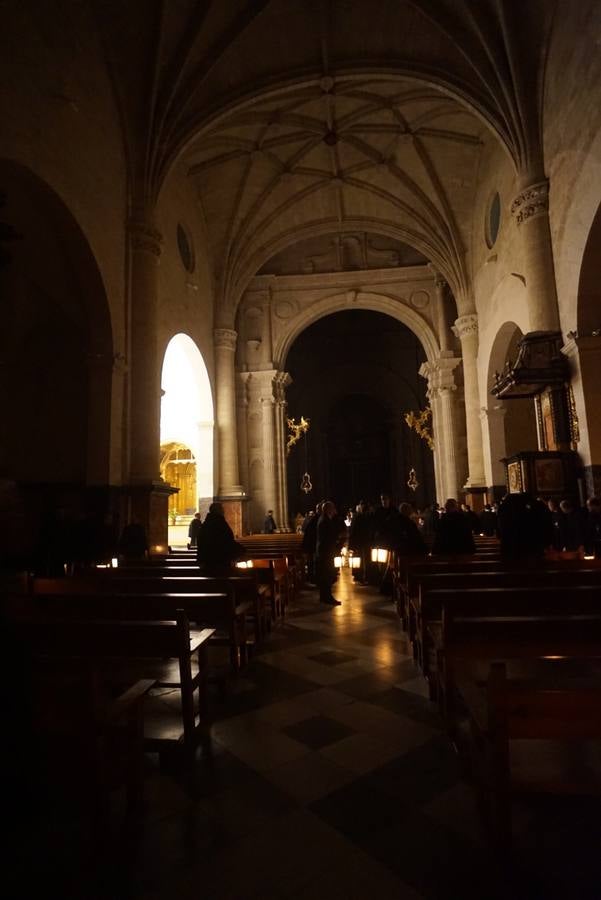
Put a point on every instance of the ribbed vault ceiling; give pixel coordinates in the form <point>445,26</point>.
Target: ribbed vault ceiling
<point>389,156</point>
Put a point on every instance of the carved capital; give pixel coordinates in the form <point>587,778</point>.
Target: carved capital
<point>533,201</point>
<point>466,325</point>
<point>440,375</point>
<point>144,237</point>
<point>226,338</point>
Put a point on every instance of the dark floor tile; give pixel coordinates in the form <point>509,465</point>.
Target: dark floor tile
<point>333,657</point>
<point>418,776</point>
<point>318,732</point>
<point>357,809</point>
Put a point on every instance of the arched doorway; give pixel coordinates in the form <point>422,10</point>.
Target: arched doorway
<point>354,375</point>
<point>511,423</point>
<point>57,357</point>
<point>186,434</point>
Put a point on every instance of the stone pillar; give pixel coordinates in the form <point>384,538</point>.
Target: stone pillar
<point>144,365</point>
<point>584,354</point>
<point>282,515</point>
<point>493,437</point>
<point>531,212</point>
<point>441,392</point>
<point>242,409</point>
<point>269,439</point>
<point>225,382</point>
<point>467,330</point>
<point>442,325</point>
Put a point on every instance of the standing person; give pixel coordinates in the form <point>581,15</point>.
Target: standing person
<point>216,547</point>
<point>453,532</point>
<point>525,527</point>
<point>488,521</point>
<point>328,543</point>
<point>310,541</point>
<point>360,540</point>
<point>572,528</point>
<point>269,526</point>
<point>193,530</point>
<point>409,541</point>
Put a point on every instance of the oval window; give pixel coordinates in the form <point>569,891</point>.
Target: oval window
<point>184,245</point>
<point>493,221</point>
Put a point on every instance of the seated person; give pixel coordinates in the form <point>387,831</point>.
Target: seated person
<point>453,532</point>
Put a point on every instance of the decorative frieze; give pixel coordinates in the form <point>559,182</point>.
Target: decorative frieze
<point>533,201</point>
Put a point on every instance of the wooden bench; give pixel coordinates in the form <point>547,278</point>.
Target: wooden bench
<point>508,710</point>
<point>425,608</point>
<point>512,624</point>
<point>241,600</point>
<point>167,652</point>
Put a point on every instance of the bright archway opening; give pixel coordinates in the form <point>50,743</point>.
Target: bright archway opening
<point>187,422</point>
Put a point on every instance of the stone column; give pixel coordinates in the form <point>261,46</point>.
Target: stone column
<point>531,212</point>
<point>144,365</point>
<point>493,437</point>
<point>270,462</point>
<point>242,409</point>
<point>225,382</point>
<point>441,391</point>
<point>282,381</point>
<point>442,325</point>
<point>584,354</point>
<point>467,330</point>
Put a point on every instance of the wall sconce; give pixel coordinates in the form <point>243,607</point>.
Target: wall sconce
<point>412,481</point>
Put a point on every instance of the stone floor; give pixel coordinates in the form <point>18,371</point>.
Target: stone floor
<point>332,780</point>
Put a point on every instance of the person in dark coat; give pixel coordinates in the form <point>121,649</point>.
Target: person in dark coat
<point>525,527</point>
<point>327,546</point>
<point>309,541</point>
<point>384,522</point>
<point>572,528</point>
<point>216,547</point>
<point>453,532</point>
<point>488,521</point>
<point>193,530</point>
<point>269,526</point>
<point>408,540</point>
<point>360,537</point>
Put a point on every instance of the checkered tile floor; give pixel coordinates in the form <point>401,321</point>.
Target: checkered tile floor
<point>332,779</point>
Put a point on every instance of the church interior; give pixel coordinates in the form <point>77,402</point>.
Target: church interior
<point>263,254</point>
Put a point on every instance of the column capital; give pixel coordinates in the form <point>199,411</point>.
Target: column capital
<point>226,338</point>
<point>144,236</point>
<point>439,374</point>
<point>466,325</point>
<point>531,202</point>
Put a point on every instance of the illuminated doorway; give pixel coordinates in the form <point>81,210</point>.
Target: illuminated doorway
<point>186,434</point>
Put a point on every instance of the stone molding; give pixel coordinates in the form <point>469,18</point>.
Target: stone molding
<point>226,338</point>
<point>144,237</point>
<point>532,202</point>
<point>466,325</point>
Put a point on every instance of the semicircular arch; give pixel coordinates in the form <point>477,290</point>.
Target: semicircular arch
<point>367,300</point>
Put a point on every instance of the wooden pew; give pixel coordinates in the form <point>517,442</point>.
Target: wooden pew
<point>243,599</point>
<point>513,624</point>
<point>424,609</point>
<point>508,710</point>
<point>167,652</point>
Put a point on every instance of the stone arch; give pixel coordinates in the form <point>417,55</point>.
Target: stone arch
<point>511,426</point>
<point>339,302</point>
<point>375,227</point>
<point>57,343</point>
<point>187,411</point>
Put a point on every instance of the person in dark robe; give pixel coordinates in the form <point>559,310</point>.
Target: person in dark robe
<point>327,546</point>
<point>193,531</point>
<point>453,532</point>
<point>269,526</point>
<point>216,547</point>
<point>360,537</point>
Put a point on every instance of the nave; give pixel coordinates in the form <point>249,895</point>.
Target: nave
<point>332,778</point>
